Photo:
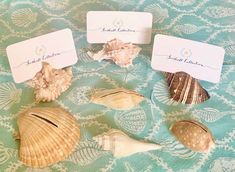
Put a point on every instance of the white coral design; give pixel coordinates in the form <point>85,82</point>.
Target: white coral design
<point>9,95</point>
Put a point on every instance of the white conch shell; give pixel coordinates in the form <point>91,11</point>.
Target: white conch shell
<point>49,83</point>
<point>121,53</point>
<point>118,98</point>
<point>122,145</point>
<point>47,135</point>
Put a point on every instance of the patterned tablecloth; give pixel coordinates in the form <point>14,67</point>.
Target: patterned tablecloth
<point>211,21</point>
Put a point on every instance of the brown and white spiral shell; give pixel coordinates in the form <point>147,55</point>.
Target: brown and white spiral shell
<point>185,89</point>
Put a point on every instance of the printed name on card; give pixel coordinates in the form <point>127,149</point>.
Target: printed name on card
<point>26,57</point>
<point>135,27</point>
<point>200,60</point>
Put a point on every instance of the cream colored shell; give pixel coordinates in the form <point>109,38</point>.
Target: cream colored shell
<point>47,135</point>
<point>49,83</point>
<point>121,53</point>
<point>122,145</point>
<point>118,98</point>
<point>193,135</point>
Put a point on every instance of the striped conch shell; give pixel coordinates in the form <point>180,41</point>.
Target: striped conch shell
<point>121,53</point>
<point>49,83</point>
<point>185,89</point>
<point>47,135</point>
<point>193,135</point>
<point>121,145</point>
<point>118,98</point>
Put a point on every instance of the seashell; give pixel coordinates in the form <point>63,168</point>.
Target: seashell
<point>47,135</point>
<point>49,83</point>
<point>23,17</point>
<point>118,98</point>
<point>121,53</point>
<point>122,145</point>
<point>9,95</point>
<point>193,135</point>
<point>185,89</point>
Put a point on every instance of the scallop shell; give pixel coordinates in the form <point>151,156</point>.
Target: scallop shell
<point>122,145</point>
<point>185,89</point>
<point>9,95</point>
<point>47,135</point>
<point>193,135</point>
<point>49,83</point>
<point>118,98</point>
<point>23,17</point>
<point>121,53</point>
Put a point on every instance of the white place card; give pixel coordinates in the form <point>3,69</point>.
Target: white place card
<point>134,27</point>
<point>26,57</point>
<point>200,60</point>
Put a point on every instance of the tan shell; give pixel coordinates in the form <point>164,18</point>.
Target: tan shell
<point>49,83</point>
<point>118,98</point>
<point>121,53</point>
<point>47,135</point>
<point>122,145</point>
<point>185,89</point>
<point>193,135</point>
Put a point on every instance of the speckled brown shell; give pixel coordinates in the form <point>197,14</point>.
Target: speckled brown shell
<point>185,89</point>
<point>47,135</point>
<point>193,135</point>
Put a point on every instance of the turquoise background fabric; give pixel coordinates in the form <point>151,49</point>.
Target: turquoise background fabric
<point>211,21</point>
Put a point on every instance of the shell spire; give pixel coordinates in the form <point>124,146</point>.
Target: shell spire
<point>185,89</point>
<point>47,135</point>
<point>122,145</point>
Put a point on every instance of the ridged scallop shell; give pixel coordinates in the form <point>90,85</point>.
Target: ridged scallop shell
<point>23,17</point>
<point>118,98</point>
<point>185,89</point>
<point>49,83</point>
<point>9,95</point>
<point>193,135</point>
<point>121,53</point>
<point>122,145</point>
<point>47,135</point>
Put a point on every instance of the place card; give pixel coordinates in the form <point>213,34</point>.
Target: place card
<point>134,27</point>
<point>200,60</point>
<point>26,57</point>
